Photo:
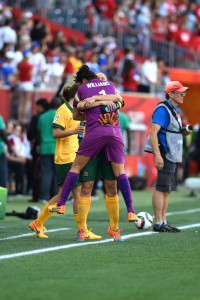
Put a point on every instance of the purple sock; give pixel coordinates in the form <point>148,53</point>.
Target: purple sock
<point>68,186</point>
<point>125,188</point>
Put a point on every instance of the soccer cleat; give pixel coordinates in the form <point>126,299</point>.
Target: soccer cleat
<point>38,230</point>
<point>169,227</point>
<point>115,234</point>
<point>89,235</point>
<point>159,228</point>
<point>80,235</point>
<point>132,217</point>
<point>165,228</point>
<point>56,208</point>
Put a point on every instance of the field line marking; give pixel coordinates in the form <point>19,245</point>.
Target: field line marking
<point>30,234</point>
<point>50,249</point>
<point>60,229</point>
<point>190,211</point>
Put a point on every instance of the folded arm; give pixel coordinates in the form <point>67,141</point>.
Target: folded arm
<point>99,98</point>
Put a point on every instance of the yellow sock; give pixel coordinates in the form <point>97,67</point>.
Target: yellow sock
<point>83,209</point>
<point>112,205</point>
<point>43,217</point>
<point>77,219</point>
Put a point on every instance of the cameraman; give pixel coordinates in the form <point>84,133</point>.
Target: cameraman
<point>166,141</point>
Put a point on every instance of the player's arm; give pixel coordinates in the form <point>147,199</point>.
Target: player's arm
<point>110,97</point>
<point>78,113</point>
<point>155,145</point>
<point>98,98</point>
<point>58,133</point>
<point>82,106</point>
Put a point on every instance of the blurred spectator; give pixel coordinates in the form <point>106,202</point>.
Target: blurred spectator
<point>54,72</point>
<point>183,37</point>
<point>159,28</point>
<point>18,55</point>
<point>72,66</point>
<point>7,34</point>
<point>25,87</point>
<point>29,160</point>
<point>93,63</point>
<point>167,8</point>
<point>172,28</point>
<point>59,40</point>
<point>105,9</point>
<point>130,76</point>
<point>42,105</point>
<point>148,73</point>
<point>196,42</point>
<point>38,32</point>
<point>120,20</point>
<point>17,159</point>
<point>49,185</point>
<point>7,70</point>
<point>3,160</point>
<point>38,61</point>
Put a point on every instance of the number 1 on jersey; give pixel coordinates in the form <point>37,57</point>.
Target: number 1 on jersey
<point>102,92</point>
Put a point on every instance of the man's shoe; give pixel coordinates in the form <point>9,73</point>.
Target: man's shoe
<point>80,235</point>
<point>89,235</point>
<point>115,234</point>
<point>159,228</point>
<point>38,230</point>
<point>169,227</point>
<point>56,208</point>
<point>164,228</point>
<point>132,217</point>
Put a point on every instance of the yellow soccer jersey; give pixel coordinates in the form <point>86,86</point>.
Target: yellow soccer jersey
<point>67,147</point>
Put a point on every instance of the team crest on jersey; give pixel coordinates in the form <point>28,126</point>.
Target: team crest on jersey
<point>56,119</point>
<point>85,174</point>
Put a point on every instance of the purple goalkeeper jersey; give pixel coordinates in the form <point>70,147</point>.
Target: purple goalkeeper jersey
<point>95,87</point>
<point>97,137</point>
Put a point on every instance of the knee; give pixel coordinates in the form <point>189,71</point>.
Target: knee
<point>86,189</point>
<point>111,188</point>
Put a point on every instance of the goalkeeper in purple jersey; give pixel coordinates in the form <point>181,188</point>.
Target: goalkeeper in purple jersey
<point>98,137</point>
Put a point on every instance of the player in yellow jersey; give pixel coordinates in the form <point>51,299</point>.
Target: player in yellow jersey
<point>65,129</point>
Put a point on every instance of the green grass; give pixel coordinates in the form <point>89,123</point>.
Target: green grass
<point>154,267</point>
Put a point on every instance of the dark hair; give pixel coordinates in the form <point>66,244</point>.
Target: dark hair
<point>84,73</point>
<point>128,49</point>
<point>127,67</point>
<point>167,96</point>
<point>55,103</point>
<point>43,102</point>
<point>69,92</point>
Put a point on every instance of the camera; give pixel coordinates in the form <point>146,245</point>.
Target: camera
<point>186,128</point>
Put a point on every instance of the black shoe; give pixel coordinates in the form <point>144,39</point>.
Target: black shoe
<point>159,228</point>
<point>171,229</point>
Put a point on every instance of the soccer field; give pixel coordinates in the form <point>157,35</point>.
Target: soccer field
<point>147,265</point>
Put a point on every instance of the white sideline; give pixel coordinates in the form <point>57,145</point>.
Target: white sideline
<point>190,211</point>
<point>62,229</point>
<point>50,249</point>
<point>30,234</point>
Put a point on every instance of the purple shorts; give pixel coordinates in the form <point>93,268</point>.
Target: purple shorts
<point>107,138</point>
